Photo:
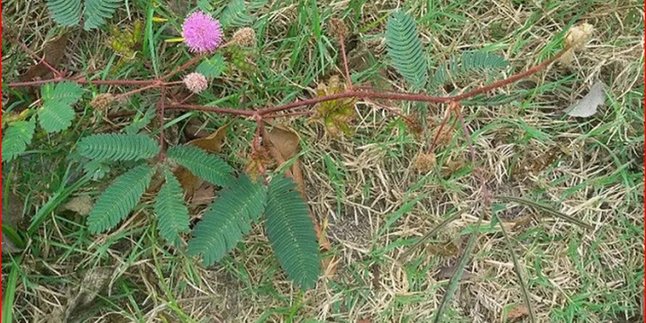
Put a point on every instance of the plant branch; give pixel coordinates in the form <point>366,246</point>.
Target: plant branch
<point>245,113</point>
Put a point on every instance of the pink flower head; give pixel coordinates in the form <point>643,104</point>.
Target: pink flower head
<point>201,32</point>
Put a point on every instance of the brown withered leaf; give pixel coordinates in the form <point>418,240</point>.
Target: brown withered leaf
<point>335,115</point>
<point>126,41</point>
<point>533,163</point>
<point>96,281</point>
<point>517,312</point>
<point>447,249</point>
<point>258,163</point>
<point>53,52</point>
<point>82,205</point>
<point>203,195</point>
<point>446,272</point>
<point>211,143</point>
<point>12,216</point>
<point>283,144</point>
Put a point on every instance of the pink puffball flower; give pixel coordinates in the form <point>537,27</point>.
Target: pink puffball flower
<point>201,32</point>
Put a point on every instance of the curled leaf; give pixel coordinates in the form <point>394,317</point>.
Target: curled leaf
<point>335,115</point>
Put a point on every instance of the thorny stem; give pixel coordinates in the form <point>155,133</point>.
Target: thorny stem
<point>355,93</point>
<point>289,114</point>
<point>183,67</point>
<point>194,107</point>
<point>372,94</point>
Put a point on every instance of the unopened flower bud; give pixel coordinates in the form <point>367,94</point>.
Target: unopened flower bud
<point>102,101</point>
<point>245,37</point>
<point>578,36</point>
<point>338,28</point>
<point>196,82</point>
<point>424,162</point>
<point>575,40</point>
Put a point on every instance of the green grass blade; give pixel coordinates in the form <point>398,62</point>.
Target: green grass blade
<point>518,270</point>
<point>427,236</point>
<point>454,282</point>
<point>10,291</point>
<point>541,207</point>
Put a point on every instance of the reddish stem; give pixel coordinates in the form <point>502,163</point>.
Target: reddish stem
<point>433,144</point>
<point>246,113</point>
<point>184,66</point>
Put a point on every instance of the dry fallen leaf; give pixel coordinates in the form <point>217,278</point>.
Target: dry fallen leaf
<point>446,272</point>
<point>94,283</point>
<point>283,144</point>
<point>587,106</point>
<point>517,312</point>
<point>53,52</point>
<point>447,249</point>
<point>203,195</point>
<point>81,205</point>
<point>211,143</point>
<point>12,215</point>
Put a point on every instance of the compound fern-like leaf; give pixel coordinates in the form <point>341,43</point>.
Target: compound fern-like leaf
<point>172,213</point>
<point>211,67</point>
<point>118,147</point>
<point>291,232</point>
<point>97,11</point>
<point>235,14</point>
<point>466,64</point>
<point>227,220</point>
<point>202,164</point>
<point>57,113</point>
<point>405,49</point>
<point>65,12</point>
<point>16,138</point>
<point>119,199</point>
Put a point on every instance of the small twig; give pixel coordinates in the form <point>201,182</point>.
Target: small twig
<point>344,58</point>
<point>40,59</point>
<point>141,89</point>
<point>161,105</point>
<point>433,144</point>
